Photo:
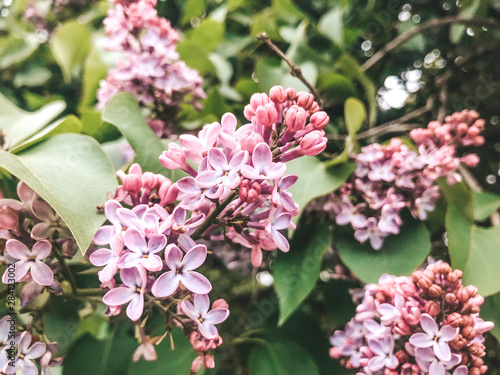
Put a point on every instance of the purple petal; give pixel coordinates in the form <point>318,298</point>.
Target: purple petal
<point>447,333</point>
<point>442,351</point>
<point>24,342</point>
<point>217,159</point>
<point>196,282</point>
<point>208,330</point>
<point>157,243</point>
<point>36,350</point>
<point>282,221</point>
<point>101,257</point>
<point>43,211</point>
<point>27,367</point>
<point>251,173</point>
<point>25,192</point>
<point>202,303</point>
<point>108,272</point>
<point>421,340</point>
<point>436,368</point>
<point>189,309</point>
<point>237,160</point>
<point>280,241</point>
<point>17,249</point>
<point>41,249</point>
<point>29,293</point>
<point>376,347</point>
<point>195,258</point>
<point>152,263</point>
<point>22,268</point>
<point>135,241</point>
<point>110,211</point>
<point>41,273</point>
<point>208,178</point>
<point>262,157</point>
<point>173,257</point>
<point>429,325</point>
<point>136,307</point>
<point>133,277</point>
<point>376,363</point>
<point>288,181</point>
<point>104,235</point>
<point>179,215</point>
<point>42,230</point>
<point>217,316</point>
<point>461,370</point>
<point>129,260</point>
<point>165,285</point>
<point>188,185</point>
<point>126,216</point>
<point>118,296</point>
<point>276,171</point>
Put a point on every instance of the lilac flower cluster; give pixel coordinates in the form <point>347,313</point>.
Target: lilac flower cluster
<point>36,241</point>
<point>239,186</point>
<point>151,69</point>
<point>389,178</point>
<point>27,351</point>
<point>426,324</point>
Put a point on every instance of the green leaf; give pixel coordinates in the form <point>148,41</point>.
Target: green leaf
<point>286,9</point>
<point>330,24</point>
<point>32,75</point>
<point>61,322</point>
<point>192,8</point>
<point>94,69</point>
<point>69,45</point>
<point>315,179</point>
<point>265,21</point>
<point>123,112</point>
<point>335,86</point>
<point>68,124</point>
<point>73,174</point>
<point>195,57</point>
<point>207,35</point>
<point>309,71</point>
<point>15,50</point>
<point>467,10</point>
<point>350,67</point>
<point>270,72</point>
<point>338,301</point>
<point>355,114</point>
<point>177,361</point>
<point>399,255</point>
<point>484,205</point>
<point>489,311</point>
<point>295,273</point>
<point>20,125</point>
<point>278,356</point>
<point>473,249</point>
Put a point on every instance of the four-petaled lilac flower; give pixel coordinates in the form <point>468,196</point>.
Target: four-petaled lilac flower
<point>133,289</point>
<point>4,339</point>
<point>206,320</point>
<point>30,260</point>
<point>181,271</point>
<point>224,173</point>
<point>25,354</point>
<point>142,253</point>
<point>263,167</point>
<point>50,223</point>
<point>428,362</point>
<point>108,258</point>
<point>434,337</point>
<point>371,232</point>
<point>384,356</point>
<point>280,197</point>
<point>390,313</point>
<point>279,221</point>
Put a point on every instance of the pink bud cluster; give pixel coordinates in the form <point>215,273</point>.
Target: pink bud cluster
<point>28,351</point>
<point>236,183</point>
<point>427,323</point>
<point>392,177</point>
<point>151,69</point>
<point>36,238</point>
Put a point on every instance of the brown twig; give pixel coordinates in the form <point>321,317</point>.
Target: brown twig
<point>396,42</point>
<point>294,70</point>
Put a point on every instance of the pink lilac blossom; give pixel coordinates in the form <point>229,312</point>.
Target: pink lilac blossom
<point>393,177</point>
<point>150,69</point>
<point>427,323</point>
<point>236,190</point>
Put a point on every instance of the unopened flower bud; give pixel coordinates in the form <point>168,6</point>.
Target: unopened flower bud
<point>290,93</point>
<point>305,99</point>
<point>478,141</point>
<point>319,120</point>
<point>454,319</point>
<point>433,125</point>
<point>132,183</point>
<point>220,304</point>
<point>168,193</point>
<point>313,143</point>
<point>468,332</point>
<point>9,218</point>
<point>450,298</point>
<point>432,308</point>
<point>249,142</point>
<point>435,291</point>
<point>277,94</point>
<point>295,118</point>
<point>463,295</point>
<point>470,160</point>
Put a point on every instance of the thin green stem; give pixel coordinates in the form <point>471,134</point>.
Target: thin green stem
<point>213,215</point>
<point>67,272</point>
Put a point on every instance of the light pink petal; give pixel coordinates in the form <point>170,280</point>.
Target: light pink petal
<point>41,273</point>
<point>376,363</point>
<point>217,159</point>
<point>391,362</point>
<point>17,249</point>
<point>118,296</point>
<point>135,241</point>
<point>157,243</point>
<point>126,217</point>
<point>228,122</point>
<point>217,316</point>
<point>288,181</point>
<point>191,142</point>
<point>208,178</point>
<point>447,333</point>
<point>421,340</point>
<point>189,309</point>
<point>281,241</point>
<point>136,307</point>
<point>42,230</point>
<point>442,351</point>
<point>36,350</point>
<point>101,257</point>
<point>41,249</point>
<point>110,211</point>
<point>282,221</point>
<point>173,257</point>
<point>461,370</point>
<point>129,260</point>
<point>25,192</point>
<point>238,159</point>
<point>195,257</point>
<point>429,325</point>
<point>232,180</point>
<point>436,368</point>
<point>165,285</point>
<point>188,185</point>
<point>24,342</point>
<point>133,277</point>
<point>196,282</point>
<point>140,210</point>
<point>376,242</point>
<point>256,256</point>
<point>108,272</point>
<point>104,235</point>
<point>201,303</point>
<point>276,171</point>
<point>361,235</point>
<point>179,215</point>
<point>28,367</point>
<point>43,211</point>
<point>262,157</point>
<point>22,268</point>
<point>376,347</point>
<point>152,263</point>
<point>208,330</point>
<point>251,173</point>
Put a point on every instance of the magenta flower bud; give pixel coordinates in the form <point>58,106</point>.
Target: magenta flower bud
<point>249,142</point>
<point>150,180</point>
<point>277,94</point>
<point>462,128</point>
<point>266,115</point>
<point>313,143</point>
<point>196,364</point>
<point>290,93</point>
<point>319,120</point>
<point>168,192</point>
<point>478,141</point>
<point>9,219</point>
<point>433,125</point>
<point>305,99</point>
<point>295,118</point>
<point>259,100</point>
<point>209,361</point>
<point>132,183</point>
<point>432,308</point>
<point>472,290</point>
<point>220,303</point>
<point>473,131</point>
<point>174,157</point>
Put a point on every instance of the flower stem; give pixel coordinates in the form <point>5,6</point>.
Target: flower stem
<point>213,215</point>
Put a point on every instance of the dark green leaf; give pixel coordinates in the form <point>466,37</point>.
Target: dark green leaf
<point>399,255</point>
<point>207,35</point>
<point>484,205</point>
<point>489,311</point>
<point>195,57</point>
<point>295,273</point>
